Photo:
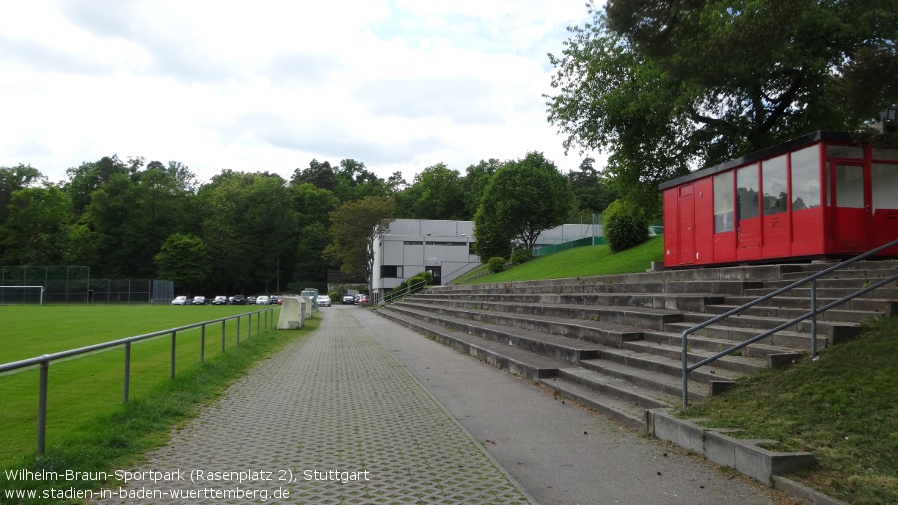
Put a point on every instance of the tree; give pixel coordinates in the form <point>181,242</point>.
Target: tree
<point>592,190</point>
<point>436,194</point>
<point>355,227</point>
<point>16,178</point>
<point>184,259</point>
<point>676,84</point>
<point>474,183</point>
<point>523,198</point>
<point>36,230</point>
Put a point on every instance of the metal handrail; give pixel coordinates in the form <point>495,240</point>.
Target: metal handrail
<point>45,360</point>
<point>811,314</point>
<point>389,297</point>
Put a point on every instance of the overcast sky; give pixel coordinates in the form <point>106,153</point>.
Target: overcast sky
<point>399,85</point>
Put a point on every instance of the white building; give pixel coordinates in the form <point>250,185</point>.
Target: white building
<point>443,248</point>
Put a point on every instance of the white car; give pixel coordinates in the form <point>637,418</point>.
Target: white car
<point>180,300</point>
<point>262,300</point>
<point>324,301</point>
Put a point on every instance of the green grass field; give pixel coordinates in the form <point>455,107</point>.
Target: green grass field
<point>82,388</point>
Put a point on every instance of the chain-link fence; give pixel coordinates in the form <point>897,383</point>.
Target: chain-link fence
<point>73,284</point>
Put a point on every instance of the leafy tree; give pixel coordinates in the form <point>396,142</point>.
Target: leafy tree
<point>16,178</point>
<point>36,229</point>
<point>474,183</point>
<point>593,191</point>
<point>225,231</point>
<point>523,198</point>
<point>436,194</point>
<point>185,260</point>
<point>353,181</point>
<point>319,174</point>
<point>89,177</point>
<point>270,222</point>
<point>355,226</point>
<point>666,86</point>
<point>310,261</point>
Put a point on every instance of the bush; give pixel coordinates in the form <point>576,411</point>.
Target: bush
<point>496,264</point>
<point>414,281</point>
<point>520,256</point>
<point>624,226</point>
<point>427,276</point>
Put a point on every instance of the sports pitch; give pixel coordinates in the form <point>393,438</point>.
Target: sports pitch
<point>80,388</point>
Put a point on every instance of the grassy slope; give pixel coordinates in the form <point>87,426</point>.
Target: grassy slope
<point>842,406</point>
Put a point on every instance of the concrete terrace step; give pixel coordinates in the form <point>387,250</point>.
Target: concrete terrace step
<point>599,397</point>
<point>774,356</point>
<point>788,313</point>
<point>742,364</point>
<point>606,333</point>
<point>517,361</point>
<point>604,285</point>
<point>634,316</point>
<point>837,330</point>
<point>557,347</point>
<point>695,302</point>
<point>881,306</point>
<point>799,341</point>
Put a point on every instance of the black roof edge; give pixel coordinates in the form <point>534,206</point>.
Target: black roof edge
<point>756,156</point>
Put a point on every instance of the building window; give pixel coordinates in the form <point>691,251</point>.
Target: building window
<point>747,191</point>
<point>773,174</point>
<point>806,178</point>
<point>884,181</point>
<point>850,186</point>
<point>391,272</point>
<point>856,152</point>
<point>723,202</point>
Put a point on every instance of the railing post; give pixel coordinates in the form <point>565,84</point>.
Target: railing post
<point>685,370</point>
<point>203,343</point>
<point>814,317</point>
<point>42,408</point>
<point>238,331</point>
<point>223,322</point>
<point>249,326</point>
<point>126,388</point>
<point>174,338</point>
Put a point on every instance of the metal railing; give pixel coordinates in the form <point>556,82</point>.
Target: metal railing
<point>812,314</point>
<point>394,295</point>
<point>45,360</point>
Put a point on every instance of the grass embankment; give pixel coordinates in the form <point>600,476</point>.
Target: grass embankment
<point>90,429</point>
<point>842,407</point>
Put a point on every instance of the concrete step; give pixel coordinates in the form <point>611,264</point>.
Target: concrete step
<point>888,293</point>
<point>694,302</point>
<point>568,350</point>
<point>523,363</point>
<point>788,313</point>
<point>639,317</point>
<point>598,398</point>
<point>799,341</point>
<point>632,364</point>
<point>741,363</point>
<point>838,331</point>
<point>773,356</point>
<point>881,306</point>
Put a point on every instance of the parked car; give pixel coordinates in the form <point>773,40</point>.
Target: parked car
<point>362,300</point>
<point>273,299</point>
<point>198,300</point>
<point>324,301</point>
<point>348,299</point>
<point>250,300</point>
<point>262,300</point>
<point>220,300</point>
<point>180,300</point>
<point>280,301</point>
<point>238,300</point>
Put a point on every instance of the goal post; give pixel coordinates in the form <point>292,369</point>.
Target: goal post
<point>22,294</point>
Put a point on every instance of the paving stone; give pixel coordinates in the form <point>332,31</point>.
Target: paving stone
<point>337,403</point>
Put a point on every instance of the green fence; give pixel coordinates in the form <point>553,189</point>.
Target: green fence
<point>73,284</point>
<point>554,248</point>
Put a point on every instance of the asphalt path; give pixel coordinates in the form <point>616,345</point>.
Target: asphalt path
<point>558,452</point>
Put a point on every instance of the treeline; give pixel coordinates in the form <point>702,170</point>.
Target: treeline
<point>239,232</point>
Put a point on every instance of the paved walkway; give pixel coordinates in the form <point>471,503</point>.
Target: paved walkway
<point>365,411</point>
<point>331,419</point>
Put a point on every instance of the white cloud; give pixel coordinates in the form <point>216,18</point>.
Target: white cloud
<point>269,85</point>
